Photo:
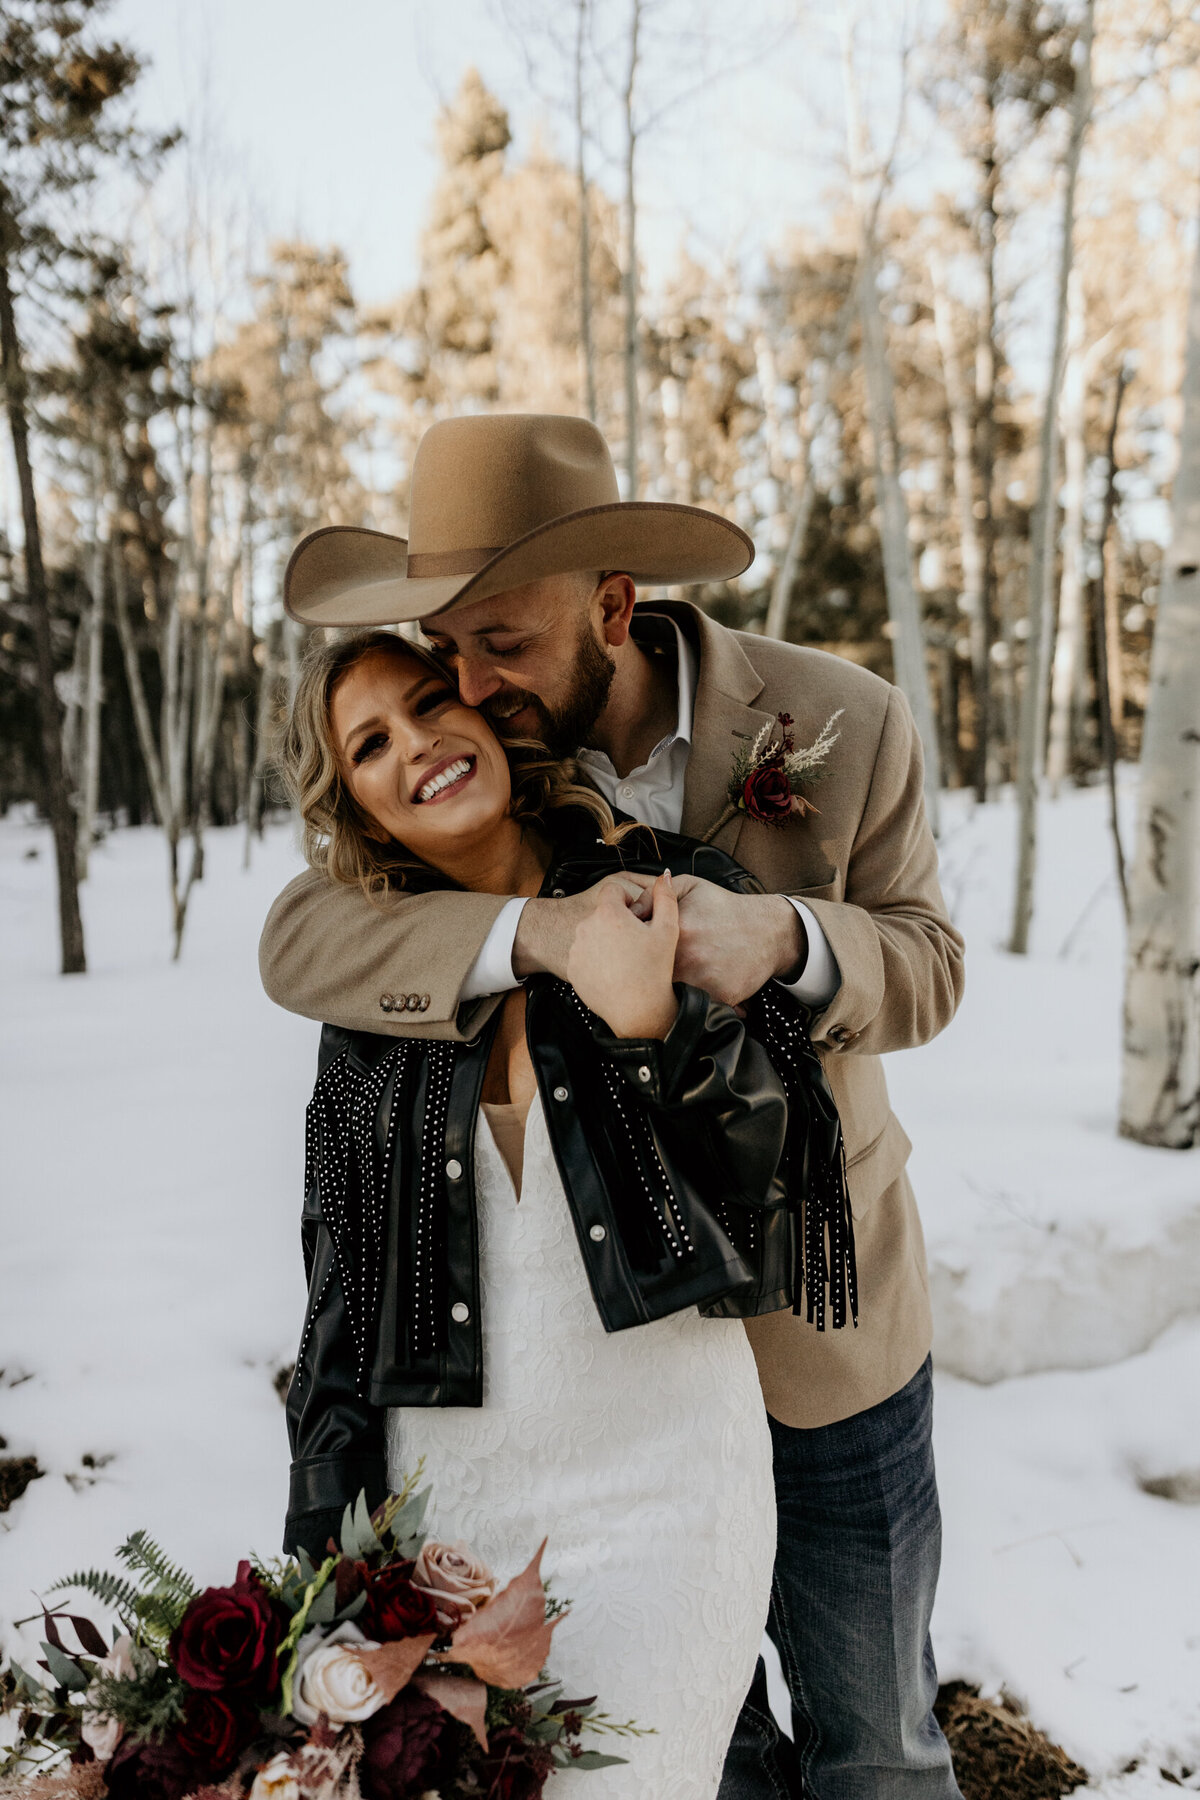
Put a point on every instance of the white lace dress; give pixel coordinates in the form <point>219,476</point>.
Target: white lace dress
<point>644,1456</point>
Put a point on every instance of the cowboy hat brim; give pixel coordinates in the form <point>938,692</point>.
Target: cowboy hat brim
<point>345,575</point>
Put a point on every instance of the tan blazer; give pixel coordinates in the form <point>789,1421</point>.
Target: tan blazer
<point>867,866</point>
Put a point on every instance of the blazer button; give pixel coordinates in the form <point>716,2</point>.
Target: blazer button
<point>560,1093</point>
<point>454,1168</point>
<point>460,1312</point>
<point>597,1234</point>
<point>387,1002</point>
<point>557,893</point>
<point>424,1006</point>
<point>838,1034</point>
<point>412,1002</point>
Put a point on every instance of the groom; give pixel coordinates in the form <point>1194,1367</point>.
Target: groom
<point>520,566</point>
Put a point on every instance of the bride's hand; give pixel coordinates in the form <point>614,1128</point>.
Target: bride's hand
<point>620,966</point>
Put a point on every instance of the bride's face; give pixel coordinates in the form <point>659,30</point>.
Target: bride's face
<point>425,769</point>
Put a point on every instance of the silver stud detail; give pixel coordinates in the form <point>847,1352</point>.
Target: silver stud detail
<point>560,1093</point>
<point>597,1234</point>
<point>460,1312</point>
<point>454,1169</point>
<point>644,1072</point>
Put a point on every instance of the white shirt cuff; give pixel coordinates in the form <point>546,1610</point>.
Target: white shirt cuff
<point>821,978</point>
<point>492,970</point>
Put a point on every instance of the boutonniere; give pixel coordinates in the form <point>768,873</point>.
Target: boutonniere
<point>768,772</point>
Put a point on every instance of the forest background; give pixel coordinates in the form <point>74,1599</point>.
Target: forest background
<point>942,391</point>
<point>910,292</point>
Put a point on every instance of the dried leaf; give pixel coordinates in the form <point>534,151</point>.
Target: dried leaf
<point>464,1699</point>
<point>393,1665</point>
<point>89,1637</point>
<point>507,1641</point>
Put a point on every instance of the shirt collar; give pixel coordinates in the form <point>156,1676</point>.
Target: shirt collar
<point>686,673</point>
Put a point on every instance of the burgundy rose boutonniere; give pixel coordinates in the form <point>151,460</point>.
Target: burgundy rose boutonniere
<point>768,773</point>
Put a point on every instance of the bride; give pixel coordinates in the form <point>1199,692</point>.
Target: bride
<point>485,1222</point>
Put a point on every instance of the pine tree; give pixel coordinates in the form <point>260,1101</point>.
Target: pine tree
<point>58,86</point>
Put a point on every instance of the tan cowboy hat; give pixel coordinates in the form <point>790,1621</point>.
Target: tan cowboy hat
<point>497,501</point>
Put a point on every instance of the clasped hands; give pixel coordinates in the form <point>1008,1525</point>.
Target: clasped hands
<point>624,942</point>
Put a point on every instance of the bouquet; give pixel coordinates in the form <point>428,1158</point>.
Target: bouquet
<point>393,1670</point>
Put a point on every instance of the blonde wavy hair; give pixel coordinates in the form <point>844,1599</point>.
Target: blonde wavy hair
<point>336,830</point>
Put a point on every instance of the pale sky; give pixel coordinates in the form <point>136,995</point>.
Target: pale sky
<point>324,112</point>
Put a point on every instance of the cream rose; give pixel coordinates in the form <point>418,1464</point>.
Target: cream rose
<point>453,1573</point>
<point>99,1731</point>
<point>276,1780</point>
<point>330,1679</point>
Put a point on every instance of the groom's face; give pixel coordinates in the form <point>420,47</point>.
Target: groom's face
<point>537,659</point>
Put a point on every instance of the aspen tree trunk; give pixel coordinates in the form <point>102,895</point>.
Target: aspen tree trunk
<point>1160,1077</point>
<point>986,360</point>
<point>587,350</point>
<point>908,640</point>
<point>630,282</point>
<point>89,768</point>
<point>1100,615</point>
<point>973,599</point>
<point>1042,534</point>
<point>1068,644</point>
<point>57,799</point>
<point>804,493</point>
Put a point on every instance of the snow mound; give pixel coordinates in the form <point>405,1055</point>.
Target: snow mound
<point>1052,1242</point>
<point>1069,1579</point>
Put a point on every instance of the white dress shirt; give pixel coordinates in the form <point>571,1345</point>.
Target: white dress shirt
<point>652,793</point>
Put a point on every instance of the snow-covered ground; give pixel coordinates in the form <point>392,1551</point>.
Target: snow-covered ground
<point>151,1154</point>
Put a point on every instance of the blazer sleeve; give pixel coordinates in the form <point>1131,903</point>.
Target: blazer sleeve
<point>337,1437</point>
<point>329,952</point>
<point>901,959</point>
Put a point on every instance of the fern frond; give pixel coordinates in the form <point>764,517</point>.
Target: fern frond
<point>111,1590</point>
<point>141,1554</point>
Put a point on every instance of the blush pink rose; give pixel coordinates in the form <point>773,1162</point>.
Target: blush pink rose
<point>99,1731</point>
<point>455,1579</point>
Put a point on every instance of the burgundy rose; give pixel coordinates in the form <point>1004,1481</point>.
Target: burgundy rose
<point>154,1769</point>
<point>395,1608</point>
<point>214,1730</point>
<point>403,1746</point>
<point>513,1768</point>
<point>766,794</point>
<point>228,1637</point>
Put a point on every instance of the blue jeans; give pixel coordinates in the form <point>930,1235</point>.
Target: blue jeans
<point>856,1566</point>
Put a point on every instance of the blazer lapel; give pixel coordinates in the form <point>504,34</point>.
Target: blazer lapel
<point>724,716</point>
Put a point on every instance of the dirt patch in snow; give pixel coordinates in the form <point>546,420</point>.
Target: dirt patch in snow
<point>16,1473</point>
<point>998,1754</point>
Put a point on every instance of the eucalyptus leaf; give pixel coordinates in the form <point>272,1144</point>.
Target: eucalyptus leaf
<point>64,1669</point>
<point>409,1522</point>
<point>29,1684</point>
<point>367,1537</point>
<point>307,1566</point>
<point>352,1610</point>
<point>349,1536</point>
<point>594,1759</point>
<point>324,1605</point>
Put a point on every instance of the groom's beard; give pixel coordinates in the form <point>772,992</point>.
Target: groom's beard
<point>564,728</point>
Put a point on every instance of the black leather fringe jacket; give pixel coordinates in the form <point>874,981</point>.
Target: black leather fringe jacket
<point>704,1170</point>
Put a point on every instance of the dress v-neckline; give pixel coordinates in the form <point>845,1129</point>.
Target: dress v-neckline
<point>508,1122</point>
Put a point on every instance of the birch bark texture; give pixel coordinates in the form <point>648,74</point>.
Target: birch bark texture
<point>1160,1077</point>
<point>1043,532</point>
<point>904,612</point>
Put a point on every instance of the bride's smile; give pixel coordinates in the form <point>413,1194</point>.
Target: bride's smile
<point>423,768</point>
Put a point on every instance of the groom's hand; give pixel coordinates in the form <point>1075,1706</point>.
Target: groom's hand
<point>731,944</point>
<point>546,929</point>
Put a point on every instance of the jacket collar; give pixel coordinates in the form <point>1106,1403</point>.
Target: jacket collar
<point>726,690</point>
